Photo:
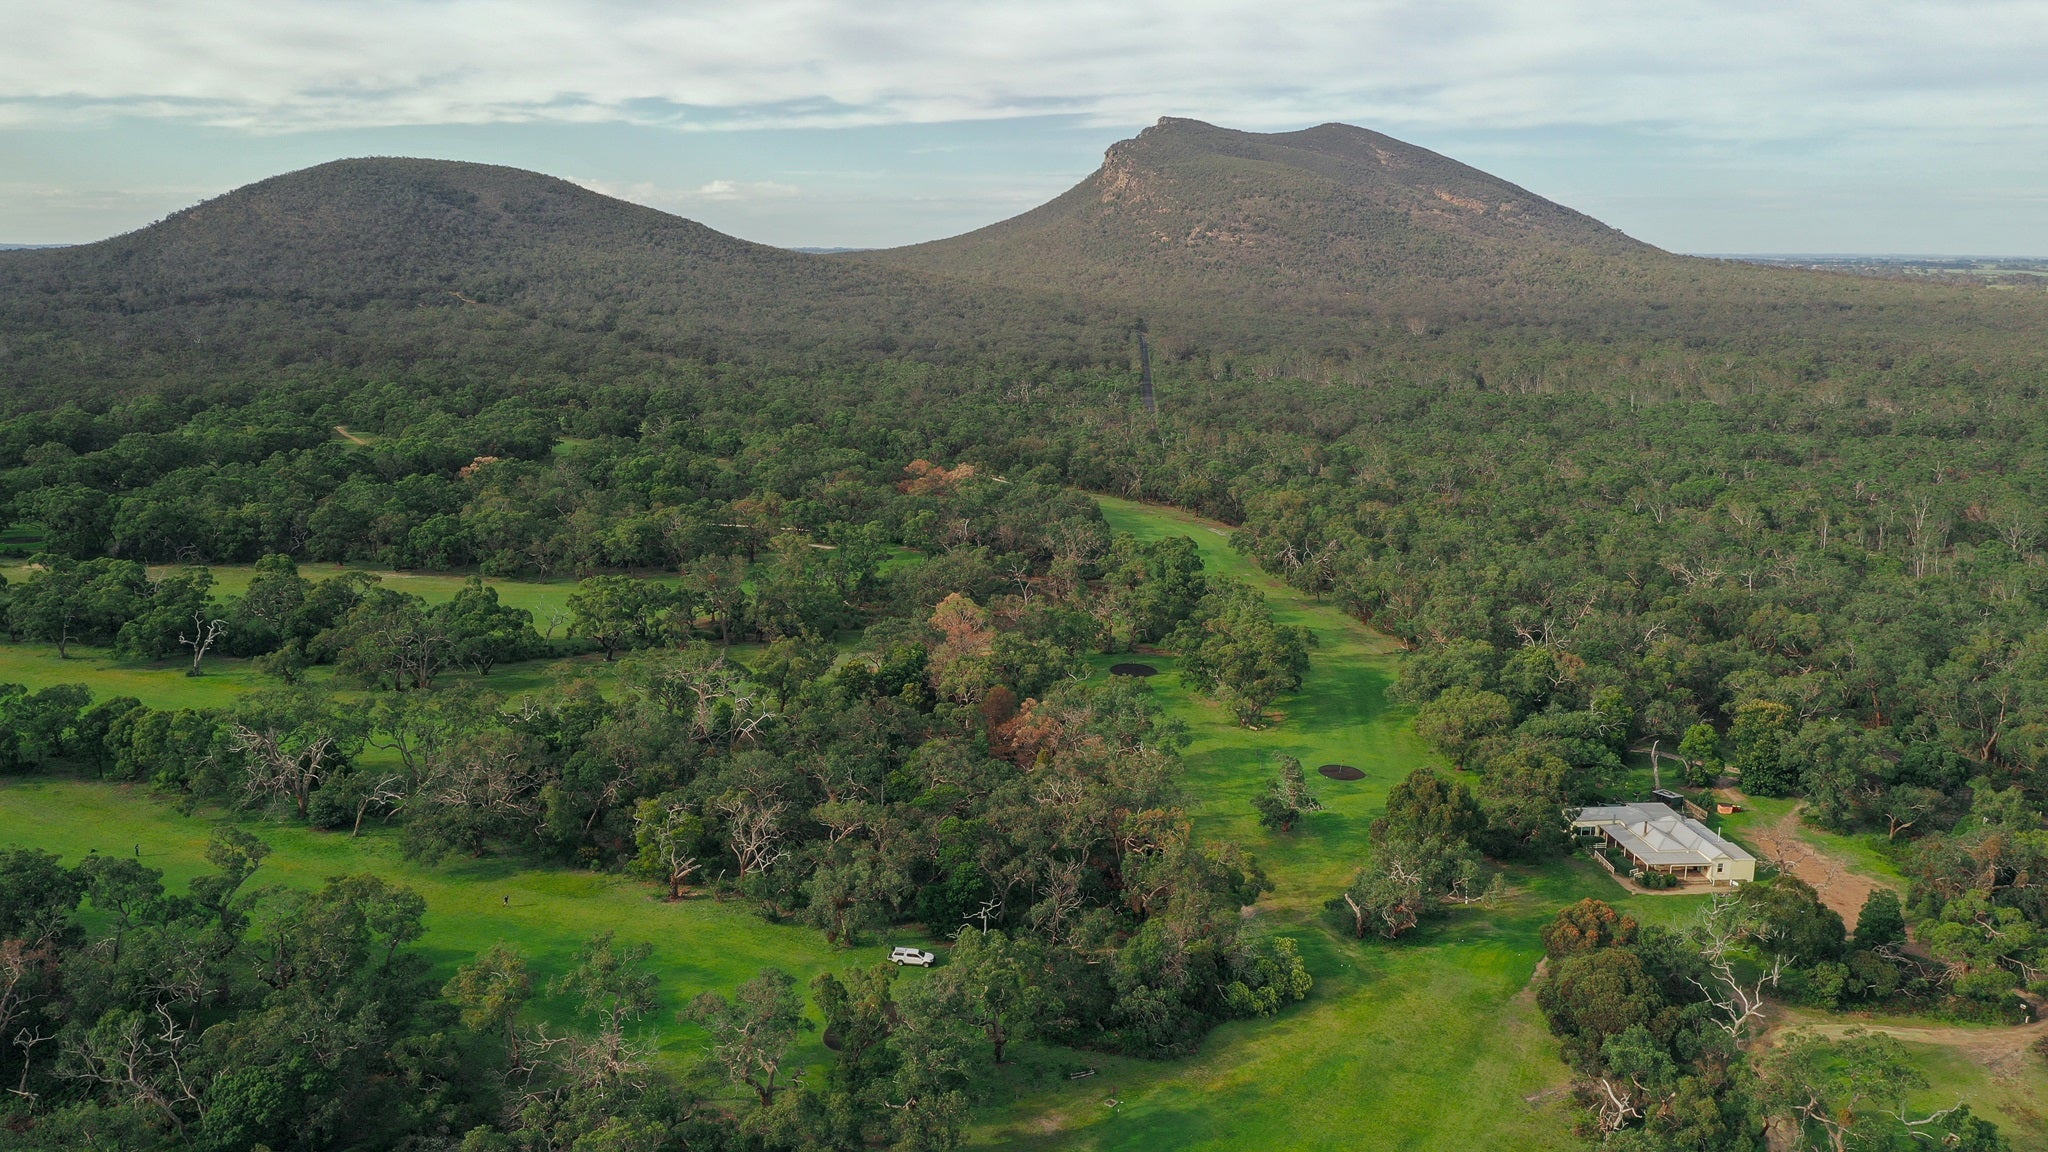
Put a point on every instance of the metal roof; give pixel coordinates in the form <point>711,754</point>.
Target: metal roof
<point>1654,834</point>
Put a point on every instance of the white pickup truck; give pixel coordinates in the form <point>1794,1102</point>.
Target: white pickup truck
<point>917,956</point>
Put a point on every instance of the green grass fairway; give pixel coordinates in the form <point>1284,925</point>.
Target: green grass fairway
<point>1989,1067</point>
<point>2014,1095</point>
<point>165,685</point>
<point>699,944</point>
<point>1427,1044</point>
<point>536,595</point>
<point>1342,717</point>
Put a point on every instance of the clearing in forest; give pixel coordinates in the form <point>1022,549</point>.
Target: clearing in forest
<point>1422,1044</point>
<point>1837,880</point>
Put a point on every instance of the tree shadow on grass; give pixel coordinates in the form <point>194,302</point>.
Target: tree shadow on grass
<point>486,869</point>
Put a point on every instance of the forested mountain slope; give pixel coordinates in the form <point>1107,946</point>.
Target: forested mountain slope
<point>1329,244</point>
<point>1337,237</point>
<point>391,261</point>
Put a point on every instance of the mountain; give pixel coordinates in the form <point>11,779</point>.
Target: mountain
<point>1335,236</point>
<point>396,261</point>
<point>1334,241</point>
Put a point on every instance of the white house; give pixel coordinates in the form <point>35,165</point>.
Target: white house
<point>1653,838</point>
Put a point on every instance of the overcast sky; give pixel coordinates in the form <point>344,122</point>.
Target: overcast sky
<point>1866,126</point>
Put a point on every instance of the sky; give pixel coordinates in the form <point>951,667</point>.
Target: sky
<point>1731,126</point>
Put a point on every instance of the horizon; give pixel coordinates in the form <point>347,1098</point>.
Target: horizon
<point>809,123</point>
<point>826,247</point>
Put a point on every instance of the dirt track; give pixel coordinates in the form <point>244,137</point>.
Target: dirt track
<point>2003,1051</point>
<point>1780,843</point>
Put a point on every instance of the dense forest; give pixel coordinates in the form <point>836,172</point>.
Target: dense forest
<point>1835,595</point>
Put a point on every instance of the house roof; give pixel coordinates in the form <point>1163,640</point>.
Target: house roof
<point>1654,834</point>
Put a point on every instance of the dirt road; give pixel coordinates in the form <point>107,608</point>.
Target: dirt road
<point>2003,1051</point>
<point>1780,843</point>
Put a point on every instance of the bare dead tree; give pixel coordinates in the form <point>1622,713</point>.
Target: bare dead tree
<point>1019,572</point>
<point>182,976</point>
<point>708,691</point>
<point>278,768</point>
<point>1059,899</point>
<point>21,965</point>
<point>140,1059</point>
<point>674,832</point>
<point>389,792</point>
<point>545,1071</point>
<point>991,909</point>
<point>488,778</point>
<point>1922,535</point>
<point>1616,1109</point>
<point>527,1054</point>
<point>2017,529</point>
<point>753,826</point>
<point>1694,575</point>
<point>204,634</point>
<point>1726,930</point>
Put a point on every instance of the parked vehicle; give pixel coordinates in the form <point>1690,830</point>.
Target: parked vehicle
<point>916,956</point>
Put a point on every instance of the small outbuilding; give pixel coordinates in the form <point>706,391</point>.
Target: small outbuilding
<point>1653,838</point>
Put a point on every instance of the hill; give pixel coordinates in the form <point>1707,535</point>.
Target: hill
<point>392,261</point>
<point>1333,241</point>
<point>1336,236</point>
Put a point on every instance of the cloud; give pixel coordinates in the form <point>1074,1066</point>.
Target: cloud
<point>1734,69</point>
<point>745,190</point>
<point>710,192</point>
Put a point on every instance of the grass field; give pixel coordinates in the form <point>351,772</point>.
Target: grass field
<point>541,596</point>
<point>545,913</point>
<point>165,685</point>
<point>2016,1099</point>
<point>1433,1043</point>
<point>1429,1044</point>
